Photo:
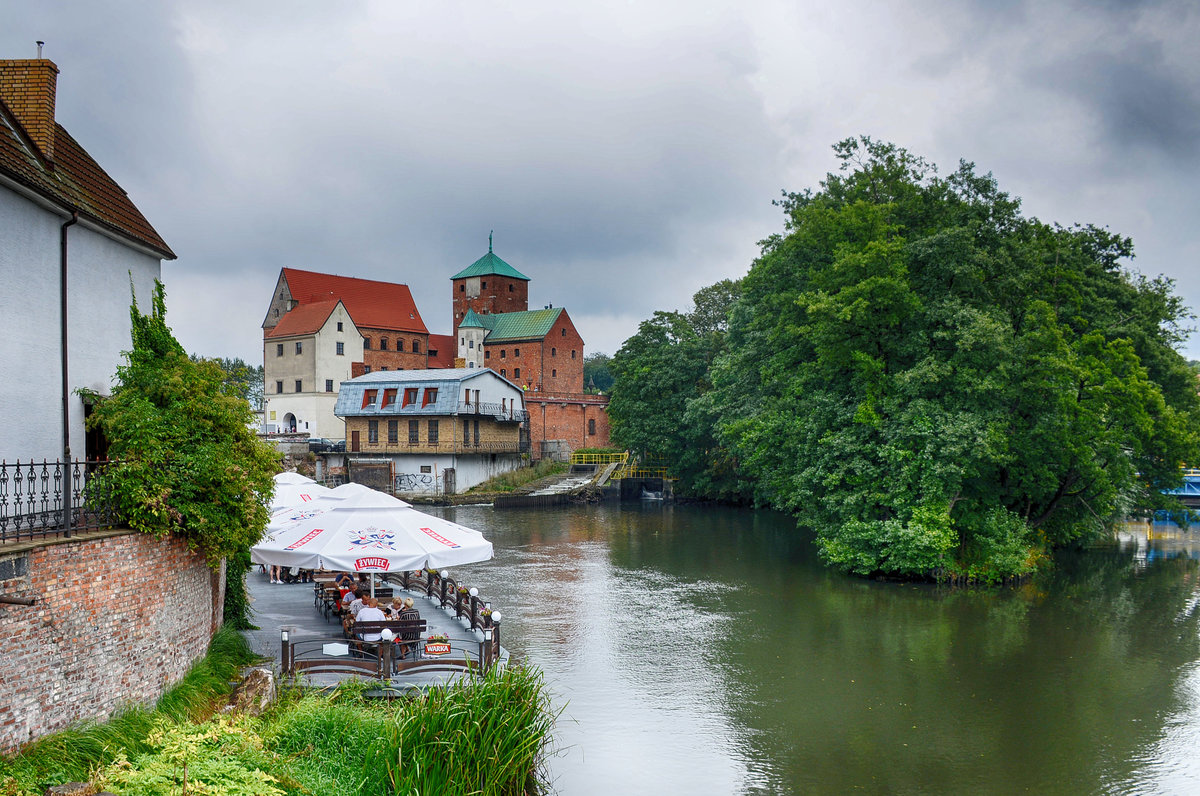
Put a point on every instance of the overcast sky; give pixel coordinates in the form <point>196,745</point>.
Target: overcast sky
<point>626,154</point>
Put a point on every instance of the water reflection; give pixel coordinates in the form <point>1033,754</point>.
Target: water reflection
<point>708,650</point>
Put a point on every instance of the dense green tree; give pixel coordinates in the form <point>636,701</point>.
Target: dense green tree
<point>939,385</point>
<point>597,373</point>
<point>657,405</point>
<point>187,460</point>
<point>245,380</point>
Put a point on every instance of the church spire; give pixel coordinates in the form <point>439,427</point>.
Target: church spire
<point>490,231</point>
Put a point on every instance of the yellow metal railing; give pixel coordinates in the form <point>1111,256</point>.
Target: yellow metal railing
<point>599,459</point>
<point>641,472</point>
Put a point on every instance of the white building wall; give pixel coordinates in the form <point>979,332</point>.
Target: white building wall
<point>469,470</point>
<point>98,288</point>
<point>317,362</point>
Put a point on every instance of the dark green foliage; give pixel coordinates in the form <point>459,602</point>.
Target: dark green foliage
<point>237,605</point>
<point>244,380</point>
<point>936,384</point>
<point>659,407</point>
<point>597,375</point>
<point>189,464</point>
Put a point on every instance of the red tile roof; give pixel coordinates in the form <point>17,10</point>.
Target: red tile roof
<point>446,348</point>
<point>305,319</point>
<point>74,181</point>
<point>372,305</point>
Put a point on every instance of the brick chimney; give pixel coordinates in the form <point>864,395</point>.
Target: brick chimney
<point>27,87</point>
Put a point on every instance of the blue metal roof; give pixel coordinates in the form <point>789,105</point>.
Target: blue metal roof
<point>447,381</point>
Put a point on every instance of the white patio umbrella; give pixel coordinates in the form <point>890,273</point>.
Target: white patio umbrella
<point>357,529</point>
<point>291,493</point>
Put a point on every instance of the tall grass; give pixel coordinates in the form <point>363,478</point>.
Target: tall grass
<point>483,736</point>
<point>70,755</point>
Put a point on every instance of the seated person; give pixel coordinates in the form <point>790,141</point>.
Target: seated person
<point>370,613</point>
<point>360,599</point>
<point>393,610</point>
<point>409,637</point>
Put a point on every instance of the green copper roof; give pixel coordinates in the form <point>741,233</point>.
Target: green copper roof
<point>530,325</point>
<point>490,264</point>
<point>472,321</point>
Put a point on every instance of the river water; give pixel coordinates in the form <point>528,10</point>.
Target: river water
<point>706,650</point>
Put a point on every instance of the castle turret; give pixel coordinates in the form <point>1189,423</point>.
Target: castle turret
<point>489,286</point>
<point>471,332</point>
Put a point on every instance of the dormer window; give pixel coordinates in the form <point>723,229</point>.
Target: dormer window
<point>410,396</point>
<point>430,396</point>
<point>389,398</point>
<point>369,397</point>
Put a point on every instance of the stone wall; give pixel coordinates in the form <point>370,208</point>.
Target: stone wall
<point>119,618</point>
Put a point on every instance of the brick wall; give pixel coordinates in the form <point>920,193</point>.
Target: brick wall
<point>568,417</point>
<point>491,295</point>
<point>391,358</point>
<point>120,617</point>
<point>546,365</point>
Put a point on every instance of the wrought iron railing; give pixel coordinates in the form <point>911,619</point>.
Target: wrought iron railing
<point>43,499</point>
<point>495,410</point>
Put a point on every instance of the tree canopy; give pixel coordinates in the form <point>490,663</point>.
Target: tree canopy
<point>936,384</point>
<point>187,461</point>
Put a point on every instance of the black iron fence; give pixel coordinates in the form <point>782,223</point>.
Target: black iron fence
<point>43,499</point>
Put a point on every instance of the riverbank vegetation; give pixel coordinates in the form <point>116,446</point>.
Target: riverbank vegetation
<point>514,479</point>
<point>486,736</point>
<point>936,384</point>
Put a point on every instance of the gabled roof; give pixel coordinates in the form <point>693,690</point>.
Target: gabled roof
<point>74,181</point>
<point>305,319</point>
<point>372,304</point>
<point>442,349</point>
<point>490,264</point>
<point>447,382</point>
<point>528,325</point>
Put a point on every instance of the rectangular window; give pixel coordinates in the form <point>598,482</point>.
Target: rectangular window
<point>553,352</point>
<point>483,283</point>
<point>564,331</point>
<point>366,344</point>
<point>470,344</point>
<point>433,432</point>
<point>389,397</point>
<point>279,349</point>
<point>502,353</point>
<point>341,349</point>
<point>487,354</point>
<point>466,431</point>
<point>279,386</point>
<point>414,432</point>
<point>328,385</point>
<point>516,352</point>
<point>427,468</point>
<point>393,432</point>
<point>299,347</point>
<point>572,353</point>
<point>416,346</point>
<point>366,368</point>
<point>591,428</point>
<point>410,395</point>
<point>299,385</point>
<point>476,433</point>
<point>339,326</point>
<point>430,396</point>
<point>503,373</point>
<point>516,373</point>
<point>373,431</point>
<point>554,373</point>
<point>369,397</point>
<point>383,344</point>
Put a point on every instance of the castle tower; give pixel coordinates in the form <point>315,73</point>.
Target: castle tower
<point>488,286</point>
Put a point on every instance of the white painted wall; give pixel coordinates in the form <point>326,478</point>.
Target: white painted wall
<point>317,362</point>
<point>98,286</point>
<point>469,470</point>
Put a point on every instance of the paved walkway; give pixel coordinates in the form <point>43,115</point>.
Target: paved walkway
<point>274,607</point>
